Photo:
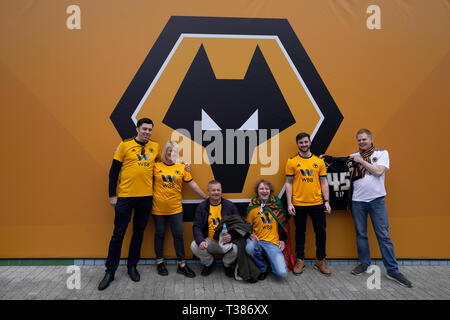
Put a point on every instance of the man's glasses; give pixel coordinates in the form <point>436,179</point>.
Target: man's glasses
<point>143,151</point>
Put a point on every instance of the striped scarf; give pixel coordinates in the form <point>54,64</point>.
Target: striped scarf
<point>273,206</point>
<point>359,171</point>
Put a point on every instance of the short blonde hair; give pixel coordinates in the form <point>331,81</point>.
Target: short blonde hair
<point>174,145</point>
<point>366,131</point>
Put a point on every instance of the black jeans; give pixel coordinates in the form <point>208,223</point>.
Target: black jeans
<point>176,226</point>
<point>142,207</point>
<point>318,219</point>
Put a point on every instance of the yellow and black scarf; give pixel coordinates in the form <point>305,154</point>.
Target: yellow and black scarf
<point>359,171</point>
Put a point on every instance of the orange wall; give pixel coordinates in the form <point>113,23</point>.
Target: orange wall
<point>59,87</point>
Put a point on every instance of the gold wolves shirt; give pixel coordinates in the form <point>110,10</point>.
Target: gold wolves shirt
<point>136,174</point>
<point>306,189</point>
<point>265,227</point>
<point>167,188</point>
<point>215,215</point>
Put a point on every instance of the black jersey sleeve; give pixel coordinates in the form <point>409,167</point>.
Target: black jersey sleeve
<point>114,177</point>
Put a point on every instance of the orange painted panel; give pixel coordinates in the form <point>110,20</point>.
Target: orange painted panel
<point>60,86</point>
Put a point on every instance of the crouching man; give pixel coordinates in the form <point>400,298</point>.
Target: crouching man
<point>208,215</point>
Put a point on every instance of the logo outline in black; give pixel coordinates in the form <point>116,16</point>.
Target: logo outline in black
<point>122,115</point>
<point>126,108</point>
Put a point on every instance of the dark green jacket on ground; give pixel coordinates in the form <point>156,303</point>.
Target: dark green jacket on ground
<point>247,269</point>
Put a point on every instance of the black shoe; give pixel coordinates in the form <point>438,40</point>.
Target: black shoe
<point>359,269</point>
<point>262,275</point>
<point>162,270</point>
<point>134,274</point>
<point>206,271</point>
<point>229,271</point>
<point>400,278</point>
<point>186,271</point>
<point>107,279</point>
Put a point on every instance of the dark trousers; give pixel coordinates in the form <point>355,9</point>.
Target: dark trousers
<point>176,226</point>
<point>318,219</point>
<point>142,207</point>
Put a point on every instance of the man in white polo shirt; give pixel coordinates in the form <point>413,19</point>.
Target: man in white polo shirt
<point>368,197</point>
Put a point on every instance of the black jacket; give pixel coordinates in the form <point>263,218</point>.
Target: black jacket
<point>242,229</point>
<point>200,226</point>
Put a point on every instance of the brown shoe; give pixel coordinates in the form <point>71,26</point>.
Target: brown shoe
<point>298,268</point>
<point>321,265</point>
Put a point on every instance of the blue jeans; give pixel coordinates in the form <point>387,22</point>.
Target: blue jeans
<point>378,215</point>
<point>258,250</point>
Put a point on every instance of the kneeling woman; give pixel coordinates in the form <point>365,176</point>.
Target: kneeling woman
<point>169,175</point>
<point>268,218</point>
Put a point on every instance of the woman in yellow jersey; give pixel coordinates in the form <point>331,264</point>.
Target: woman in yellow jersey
<point>169,175</point>
<point>268,218</point>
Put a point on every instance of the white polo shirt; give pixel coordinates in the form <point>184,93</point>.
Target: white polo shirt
<point>371,187</point>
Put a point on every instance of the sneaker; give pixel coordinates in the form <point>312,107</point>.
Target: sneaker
<point>162,270</point>
<point>321,265</point>
<point>401,279</point>
<point>298,268</point>
<point>186,271</point>
<point>359,269</point>
<point>206,271</point>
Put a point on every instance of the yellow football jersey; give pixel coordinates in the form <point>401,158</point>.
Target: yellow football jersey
<point>265,227</point>
<point>136,174</point>
<point>306,189</point>
<point>168,187</point>
<point>214,218</point>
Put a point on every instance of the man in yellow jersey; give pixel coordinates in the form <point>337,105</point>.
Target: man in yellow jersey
<point>208,215</point>
<point>131,188</point>
<point>307,193</point>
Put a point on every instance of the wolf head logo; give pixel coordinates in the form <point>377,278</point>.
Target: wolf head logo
<point>253,103</point>
<point>250,104</point>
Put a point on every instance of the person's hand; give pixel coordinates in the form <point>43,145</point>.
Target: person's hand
<point>187,166</point>
<point>358,159</point>
<point>203,245</point>
<point>282,245</point>
<point>327,207</point>
<point>113,201</point>
<point>291,209</point>
<point>226,238</point>
<point>254,238</point>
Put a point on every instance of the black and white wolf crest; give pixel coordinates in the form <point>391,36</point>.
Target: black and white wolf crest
<point>253,103</point>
